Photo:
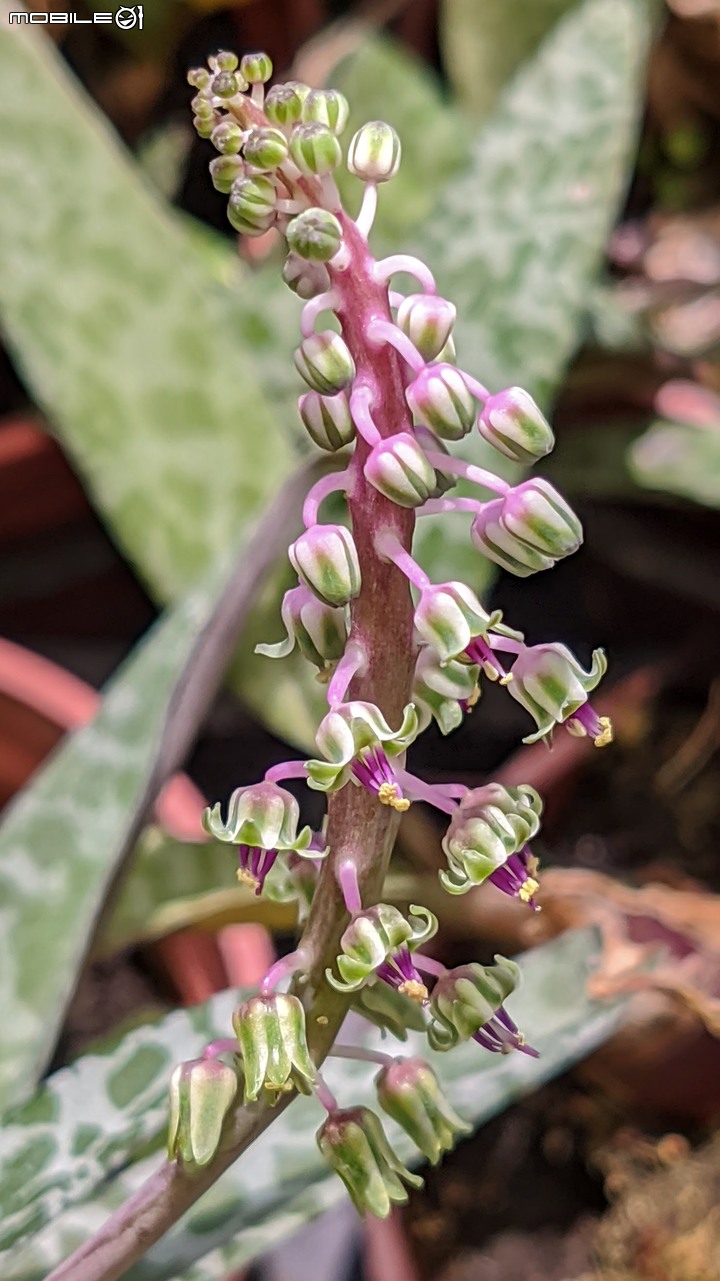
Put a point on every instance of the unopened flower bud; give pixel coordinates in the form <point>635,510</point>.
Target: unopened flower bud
<point>224,171</point>
<point>326,107</point>
<point>355,1146</point>
<point>314,234</point>
<point>265,149</point>
<point>374,152</point>
<point>327,419</point>
<point>225,60</point>
<point>226,85</point>
<point>427,320</point>
<point>319,631</point>
<point>307,279</point>
<point>512,422</point>
<point>467,1002</point>
<point>491,824</point>
<point>273,1044</point>
<point>439,398</point>
<point>324,361</point>
<point>227,138</point>
<point>199,77</point>
<point>373,936</point>
<point>205,125</point>
<point>443,691</point>
<point>201,1095</point>
<point>398,468</point>
<point>326,560</point>
<point>410,1093</point>
<point>550,684</point>
<point>528,529</point>
<point>256,68</point>
<point>251,207</point>
<point>315,149</point>
<point>283,105</point>
<point>448,616</point>
<point>201,104</point>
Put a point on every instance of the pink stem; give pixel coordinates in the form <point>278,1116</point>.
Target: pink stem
<point>352,662</point>
<point>458,467</point>
<point>360,1054</point>
<point>361,401</point>
<point>282,969</point>
<point>419,790</point>
<point>391,549</point>
<point>319,492</point>
<point>382,331</point>
<point>428,965</point>
<point>223,1045</point>
<point>313,308</point>
<point>286,769</point>
<point>324,1094</point>
<point>434,506</point>
<point>368,208</point>
<point>475,387</point>
<point>348,881</point>
<point>411,266</point>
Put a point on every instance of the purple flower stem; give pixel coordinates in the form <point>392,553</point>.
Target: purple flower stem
<point>428,965</point>
<point>391,549</point>
<point>419,790</point>
<point>324,1094</point>
<point>348,882</point>
<point>396,263</point>
<point>319,492</point>
<point>382,331</point>
<point>360,1054</point>
<point>361,402</point>
<point>458,467</point>
<point>314,308</point>
<point>223,1045</point>
<point>475,387</point>
<point>352,662</point>
<point>368,209</point>
<point>436,506</point>
<point>286,769</point>
<point>282,969</point>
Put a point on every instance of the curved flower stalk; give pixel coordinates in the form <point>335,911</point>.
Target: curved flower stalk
<point>395,652</point>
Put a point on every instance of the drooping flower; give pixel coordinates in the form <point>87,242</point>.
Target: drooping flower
<point>552,686</point>
<point>272,1040</point>
<point>468,1003</point>
<point>358,744</point>
<point>354,1144</point>
<point>379,941</point>
<point>262,820</point>
<point>487,840</point>
<point>410,1093</point>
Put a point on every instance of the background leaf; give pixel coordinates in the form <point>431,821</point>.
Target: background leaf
<point>679,458</point>
<point>59,847</point>
<point>286,1181</point>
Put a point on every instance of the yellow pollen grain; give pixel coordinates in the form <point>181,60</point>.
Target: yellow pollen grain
<point>247,878</point>
<point>606,735</point>
<point>322,1019</point>
<point>415,990</point>
<point>505,680</point>
<point>388,794</point>
<point>528,889</point>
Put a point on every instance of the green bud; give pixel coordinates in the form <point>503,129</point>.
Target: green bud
<point>440,399</point>
<point>527,529</point>
<point>225,60</point>
<point>224,171</point>
<point>300,88</point>
<point>324,361</point>
<point>205,125</point>
<point>265,148</point>
<point>354,1144</point>
<point>314,234</point>
<point>199,77</point>
<point>227,138</point>
<point>202,106</point>
<point>410,1093</point>
<point>256,68</point>
<point>398,469</point>
<point>251,208</point>
<point>283,105</point>
<point>315,149</point>
<point>374,153</point>
<point>427,320</point>
<point>326,107</point>
<point>272,1039</point>
<point>513,424</point>
<point>327,420</point>
<point>226,85</point>
<point>326,560</point>
<point>319,630</point>
<point>201,1095</point>
<point>305,277</point>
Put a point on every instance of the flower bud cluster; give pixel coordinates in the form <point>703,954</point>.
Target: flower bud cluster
<point>385,395</point>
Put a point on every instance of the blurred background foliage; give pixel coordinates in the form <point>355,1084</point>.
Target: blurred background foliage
<point>560,173</point>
